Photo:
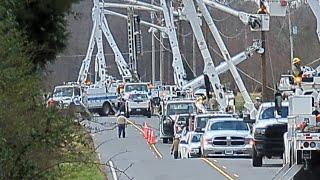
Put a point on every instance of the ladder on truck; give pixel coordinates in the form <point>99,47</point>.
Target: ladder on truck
<point>287,172</point>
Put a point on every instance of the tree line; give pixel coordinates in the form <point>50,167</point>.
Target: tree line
<point>35,142</point>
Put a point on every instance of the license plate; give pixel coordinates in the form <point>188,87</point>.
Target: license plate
<point>228,152</point>
<point>138,109</point>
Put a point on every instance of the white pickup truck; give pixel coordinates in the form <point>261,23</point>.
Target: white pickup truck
<point>66,95</point>
<point>138,104</point>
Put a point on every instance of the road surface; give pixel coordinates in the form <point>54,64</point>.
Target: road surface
<point>133,158</point>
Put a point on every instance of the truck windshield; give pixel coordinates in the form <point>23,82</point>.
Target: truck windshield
<point>229,125</point>
<point>138,96</point>
<point>269,113</point>
<point>136,87</point>
<point>202,121</point>
<point>180,108</point>
<point>63,92</point>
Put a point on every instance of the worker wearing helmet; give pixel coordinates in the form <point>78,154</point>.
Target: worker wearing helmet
<point>296,67</point>
<point>257,103</point>
<point>296,70</point>
<point>122,123</point>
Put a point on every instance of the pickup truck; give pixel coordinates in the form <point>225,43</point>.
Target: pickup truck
<point>169,114</point>
<point>267,132</point>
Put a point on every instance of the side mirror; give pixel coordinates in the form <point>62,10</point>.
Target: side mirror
<point>247,119</point>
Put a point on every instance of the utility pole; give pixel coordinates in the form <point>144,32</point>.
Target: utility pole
<point>194,56</point>
<point>262,10</point>
<point>161,57</point>
<point>153,47</point>
<point>291,37</point>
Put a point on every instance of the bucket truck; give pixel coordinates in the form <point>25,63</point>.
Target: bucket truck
<point>102,96</point>
<point>301,142</point>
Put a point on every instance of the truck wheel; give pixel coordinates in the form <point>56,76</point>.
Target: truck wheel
<point>165,140</point>
<point>256,160</point>
<point>106,109</point>
<point>149,114</point>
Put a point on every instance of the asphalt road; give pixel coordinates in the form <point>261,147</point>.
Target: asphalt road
<point>133,158</point>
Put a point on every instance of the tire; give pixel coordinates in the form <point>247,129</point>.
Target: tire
<point>165,140</point>
<point>256,159</point>
<point>149,114</point>
<point>106,109</point>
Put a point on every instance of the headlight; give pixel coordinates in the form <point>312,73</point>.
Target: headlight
<point>260,131</point>
<point>166,121</point>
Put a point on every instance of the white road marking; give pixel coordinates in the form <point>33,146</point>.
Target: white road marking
<point>114,174</point>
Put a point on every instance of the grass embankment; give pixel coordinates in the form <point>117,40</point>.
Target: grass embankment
<point>91,169</point>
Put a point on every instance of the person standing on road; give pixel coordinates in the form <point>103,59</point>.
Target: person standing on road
<point>122,123</point>
<point>175,147</point>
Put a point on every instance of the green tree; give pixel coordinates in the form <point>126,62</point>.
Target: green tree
<point>34,140</point>
<point>44,25</point>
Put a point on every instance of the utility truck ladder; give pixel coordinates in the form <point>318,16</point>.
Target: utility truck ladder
<point>287,172</point>
<point>168,13</point>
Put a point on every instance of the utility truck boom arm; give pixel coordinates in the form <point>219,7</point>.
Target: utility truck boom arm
<point>260,21</point>
<point>121,63</point>
<point>168,13</point>
<point>223,67</point>
<point>214,30</point>
<point>209,69</point>
<point>315,7</point>
<point>100,25</point>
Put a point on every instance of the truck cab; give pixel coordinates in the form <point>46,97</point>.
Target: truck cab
<point>66,95</point>
<point>170,112</point>
<point>130,88</point>
<point>267,132</point>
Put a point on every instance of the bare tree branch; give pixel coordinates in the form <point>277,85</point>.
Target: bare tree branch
<point>97,147</point>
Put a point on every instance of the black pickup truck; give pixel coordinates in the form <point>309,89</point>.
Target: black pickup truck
<point>268,133</point>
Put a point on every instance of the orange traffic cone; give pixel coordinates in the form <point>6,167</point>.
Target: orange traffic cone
<point>149,135</point>
<point>152,138</point>
<point>145,131</point>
